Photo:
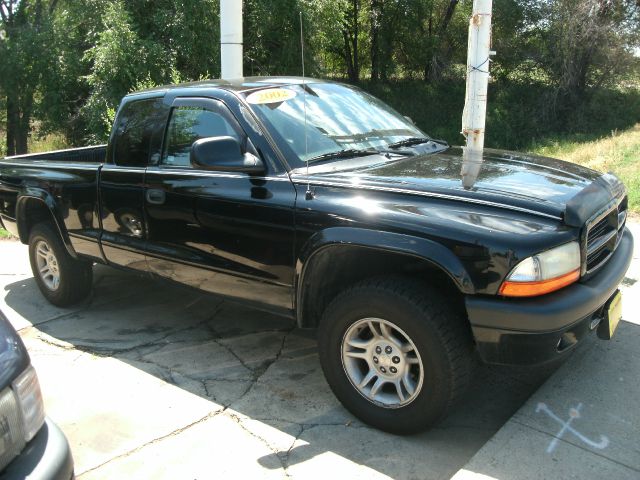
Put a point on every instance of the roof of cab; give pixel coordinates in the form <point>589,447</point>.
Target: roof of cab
<point>237,84</point>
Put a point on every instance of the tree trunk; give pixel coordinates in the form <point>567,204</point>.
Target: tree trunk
<point>430,43</point>
<point>24,119</point>
<point>356,63</point>
<point>433,68</point>
<point>21,142</point>
<point>451,8</point>
<point>376,15</point>
<point>18,121</point>
<point>348,58</point>
<point>13,126</point>
<point>350,36</point>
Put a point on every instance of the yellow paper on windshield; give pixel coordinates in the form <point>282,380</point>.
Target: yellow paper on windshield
<point>271,95</point>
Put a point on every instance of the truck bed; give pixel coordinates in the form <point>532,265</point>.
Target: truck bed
<point>94,154</point>
<point>61,185</point>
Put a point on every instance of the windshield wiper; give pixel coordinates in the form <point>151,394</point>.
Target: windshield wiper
<point>407,142</point>
<point>350,152</point>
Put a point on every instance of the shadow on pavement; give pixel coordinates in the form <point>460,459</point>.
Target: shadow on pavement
<point>264,372</point>
<point>582,423</point>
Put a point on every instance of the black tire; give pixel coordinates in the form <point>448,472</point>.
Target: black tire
<point>437,329</point>
<point>75,276</point>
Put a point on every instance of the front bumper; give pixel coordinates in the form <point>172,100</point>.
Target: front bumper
<point>537,330</point>
<point>46,457</point>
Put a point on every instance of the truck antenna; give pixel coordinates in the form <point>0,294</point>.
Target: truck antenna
<point>309,193</point>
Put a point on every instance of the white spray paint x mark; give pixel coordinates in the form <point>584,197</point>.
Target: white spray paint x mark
<point>566,427</point>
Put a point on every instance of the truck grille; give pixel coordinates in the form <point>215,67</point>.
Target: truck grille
<point>603,236</point>
<point>11,434</point>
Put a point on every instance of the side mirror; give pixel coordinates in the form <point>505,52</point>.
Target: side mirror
<point>223,154</point>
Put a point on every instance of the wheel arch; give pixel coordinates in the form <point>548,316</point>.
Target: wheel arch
<point>33,207</point>
<point>337,257</point>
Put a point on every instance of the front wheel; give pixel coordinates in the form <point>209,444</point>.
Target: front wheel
<point>395,353</point>
<point>62,279</point>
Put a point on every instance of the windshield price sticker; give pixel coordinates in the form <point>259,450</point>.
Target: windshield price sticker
<point>272,95</point>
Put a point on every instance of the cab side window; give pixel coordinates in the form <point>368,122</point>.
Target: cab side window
<point>187,125</point>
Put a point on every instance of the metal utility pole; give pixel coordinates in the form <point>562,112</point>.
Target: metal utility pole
<point>231,38</point>
<point>475,106</point>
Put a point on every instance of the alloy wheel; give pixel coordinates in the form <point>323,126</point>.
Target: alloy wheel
<point>382,362</point>
<point>47,263</point>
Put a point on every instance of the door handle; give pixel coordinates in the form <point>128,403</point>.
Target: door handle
<point>155,196</point>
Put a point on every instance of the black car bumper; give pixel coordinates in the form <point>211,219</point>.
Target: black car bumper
<point>537,330</point>
<point>46,457</point>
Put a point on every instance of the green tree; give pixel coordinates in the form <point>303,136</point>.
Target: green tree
<point>64,89</point>
<point>272,41</point>
<point>105,49</point>
<point>588,42</point>
<point>67,63</point>
<point>119,60</point>
<point>25,33</point>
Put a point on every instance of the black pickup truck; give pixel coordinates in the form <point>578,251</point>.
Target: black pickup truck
<point>317,201</point>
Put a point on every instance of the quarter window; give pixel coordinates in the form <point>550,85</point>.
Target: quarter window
<point>189,124</point>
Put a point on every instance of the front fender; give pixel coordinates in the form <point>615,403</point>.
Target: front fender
<point>404,245</point>
<point>421,248</point>
<point>49,203</point>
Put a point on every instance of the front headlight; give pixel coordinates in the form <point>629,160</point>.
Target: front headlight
<point>27,391</point>
<point>543,273</point>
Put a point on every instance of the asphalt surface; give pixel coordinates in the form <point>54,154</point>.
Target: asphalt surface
<point>151,380</point>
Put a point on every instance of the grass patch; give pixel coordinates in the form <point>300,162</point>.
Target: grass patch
<point>37,143</point>
<point>47,143</point>
<point>618,152</point>
<point>4,234</point>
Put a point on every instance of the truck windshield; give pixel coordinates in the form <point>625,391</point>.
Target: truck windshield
<point>339,118</point>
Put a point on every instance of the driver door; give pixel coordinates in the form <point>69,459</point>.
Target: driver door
<point>228,233</point>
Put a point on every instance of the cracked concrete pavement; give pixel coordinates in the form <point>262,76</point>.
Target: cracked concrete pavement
<point>150,380</point>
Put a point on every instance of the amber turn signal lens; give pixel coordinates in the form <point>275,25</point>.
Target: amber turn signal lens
<point>532,289</point>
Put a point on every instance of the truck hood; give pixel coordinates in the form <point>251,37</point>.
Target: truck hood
<point>506,179</point>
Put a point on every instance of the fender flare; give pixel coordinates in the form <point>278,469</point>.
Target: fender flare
<point>421,248</point>
<point>50,203</point>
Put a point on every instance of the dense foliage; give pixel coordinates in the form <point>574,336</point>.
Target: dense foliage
<point>562,65</point>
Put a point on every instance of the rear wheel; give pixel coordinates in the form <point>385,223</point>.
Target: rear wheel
<point>395,353</point>
<point>62,279</point>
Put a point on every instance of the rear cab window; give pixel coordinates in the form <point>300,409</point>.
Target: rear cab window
<point>138,132</point>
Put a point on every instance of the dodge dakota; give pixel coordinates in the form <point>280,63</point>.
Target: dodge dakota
<point>317,201</point>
